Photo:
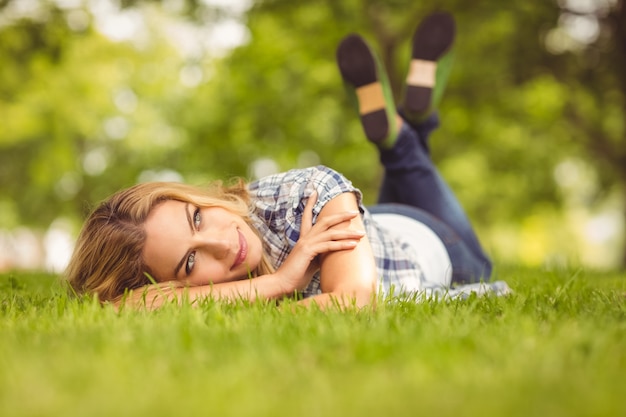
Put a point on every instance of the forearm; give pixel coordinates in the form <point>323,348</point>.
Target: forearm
<point>265,287</point>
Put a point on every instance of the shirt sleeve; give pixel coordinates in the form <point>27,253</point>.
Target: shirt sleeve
<point>280,199</point>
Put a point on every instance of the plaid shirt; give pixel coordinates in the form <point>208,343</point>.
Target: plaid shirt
<point>278,204</point>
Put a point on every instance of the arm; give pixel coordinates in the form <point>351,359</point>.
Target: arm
<point>294,274</point>
<point>347,277</point>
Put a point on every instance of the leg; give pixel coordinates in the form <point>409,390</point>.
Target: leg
<point>410,176</point>
<point>412,179</point>
<point>388,192</point>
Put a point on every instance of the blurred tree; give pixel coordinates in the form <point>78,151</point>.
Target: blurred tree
<point>536,84</point>
<point>81,115</point>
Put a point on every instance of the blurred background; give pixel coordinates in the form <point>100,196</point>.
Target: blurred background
<point>96,95</point>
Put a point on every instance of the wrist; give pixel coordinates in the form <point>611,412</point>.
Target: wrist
<point>284,286</point>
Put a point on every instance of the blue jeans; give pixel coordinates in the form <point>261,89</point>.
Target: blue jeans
<point>413,187</point>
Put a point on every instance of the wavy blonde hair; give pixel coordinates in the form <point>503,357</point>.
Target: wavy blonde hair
<point>108,256</point>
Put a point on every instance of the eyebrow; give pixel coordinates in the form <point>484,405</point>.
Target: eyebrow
<point>182,261</point>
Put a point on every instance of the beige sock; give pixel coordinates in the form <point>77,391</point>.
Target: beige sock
<point>421,73</point>
<point>371,98</point>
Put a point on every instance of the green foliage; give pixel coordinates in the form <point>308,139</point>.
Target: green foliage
<point>556,346</point>
<point>68,109</point>
<point>84,115</point>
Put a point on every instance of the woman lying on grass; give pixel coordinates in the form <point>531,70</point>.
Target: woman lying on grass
<point>304,232</point>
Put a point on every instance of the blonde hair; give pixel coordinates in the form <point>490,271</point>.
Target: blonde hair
<point>108,256</point>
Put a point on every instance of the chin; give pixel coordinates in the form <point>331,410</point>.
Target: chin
<point>250,273</point>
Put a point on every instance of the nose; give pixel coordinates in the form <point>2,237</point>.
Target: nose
<point>213,244</point>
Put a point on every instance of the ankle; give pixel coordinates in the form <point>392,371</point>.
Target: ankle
<point>399,122</point>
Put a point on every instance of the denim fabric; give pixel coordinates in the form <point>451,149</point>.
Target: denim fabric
<point>413,187</point>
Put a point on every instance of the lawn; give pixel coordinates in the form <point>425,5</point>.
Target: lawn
<point>556,347</point>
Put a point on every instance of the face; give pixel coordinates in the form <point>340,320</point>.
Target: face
<point>199,246</point>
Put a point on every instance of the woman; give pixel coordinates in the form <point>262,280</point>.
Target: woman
<point>304,231</point>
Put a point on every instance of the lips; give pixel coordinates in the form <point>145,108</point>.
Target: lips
<point>243,251</point>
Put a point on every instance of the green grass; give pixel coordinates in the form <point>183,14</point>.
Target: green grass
<point>557,347</point>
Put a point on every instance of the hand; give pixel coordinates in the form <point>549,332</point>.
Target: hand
<point>298,269</point>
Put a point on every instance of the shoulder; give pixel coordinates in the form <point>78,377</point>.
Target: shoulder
<point>292,186</point>
<point>319,175</point>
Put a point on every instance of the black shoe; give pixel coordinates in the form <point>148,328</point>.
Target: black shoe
<point>367,81</point>
<point>430,65</point>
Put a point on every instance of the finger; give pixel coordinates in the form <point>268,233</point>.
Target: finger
<point>334,234</point>
<point>334,219</point>
<point>307,215</point>
<point>316,245</point>
<point>344,234</point>
<point>334,246</point>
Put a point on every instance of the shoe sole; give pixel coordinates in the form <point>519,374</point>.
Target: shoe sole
<point>432,39</point>
<point>357,66</point>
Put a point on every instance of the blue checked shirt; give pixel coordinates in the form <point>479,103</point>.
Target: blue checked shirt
<point>278,204</point>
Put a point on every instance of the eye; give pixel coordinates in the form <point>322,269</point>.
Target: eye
<point>197,218</point>
<point>191,260</point>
